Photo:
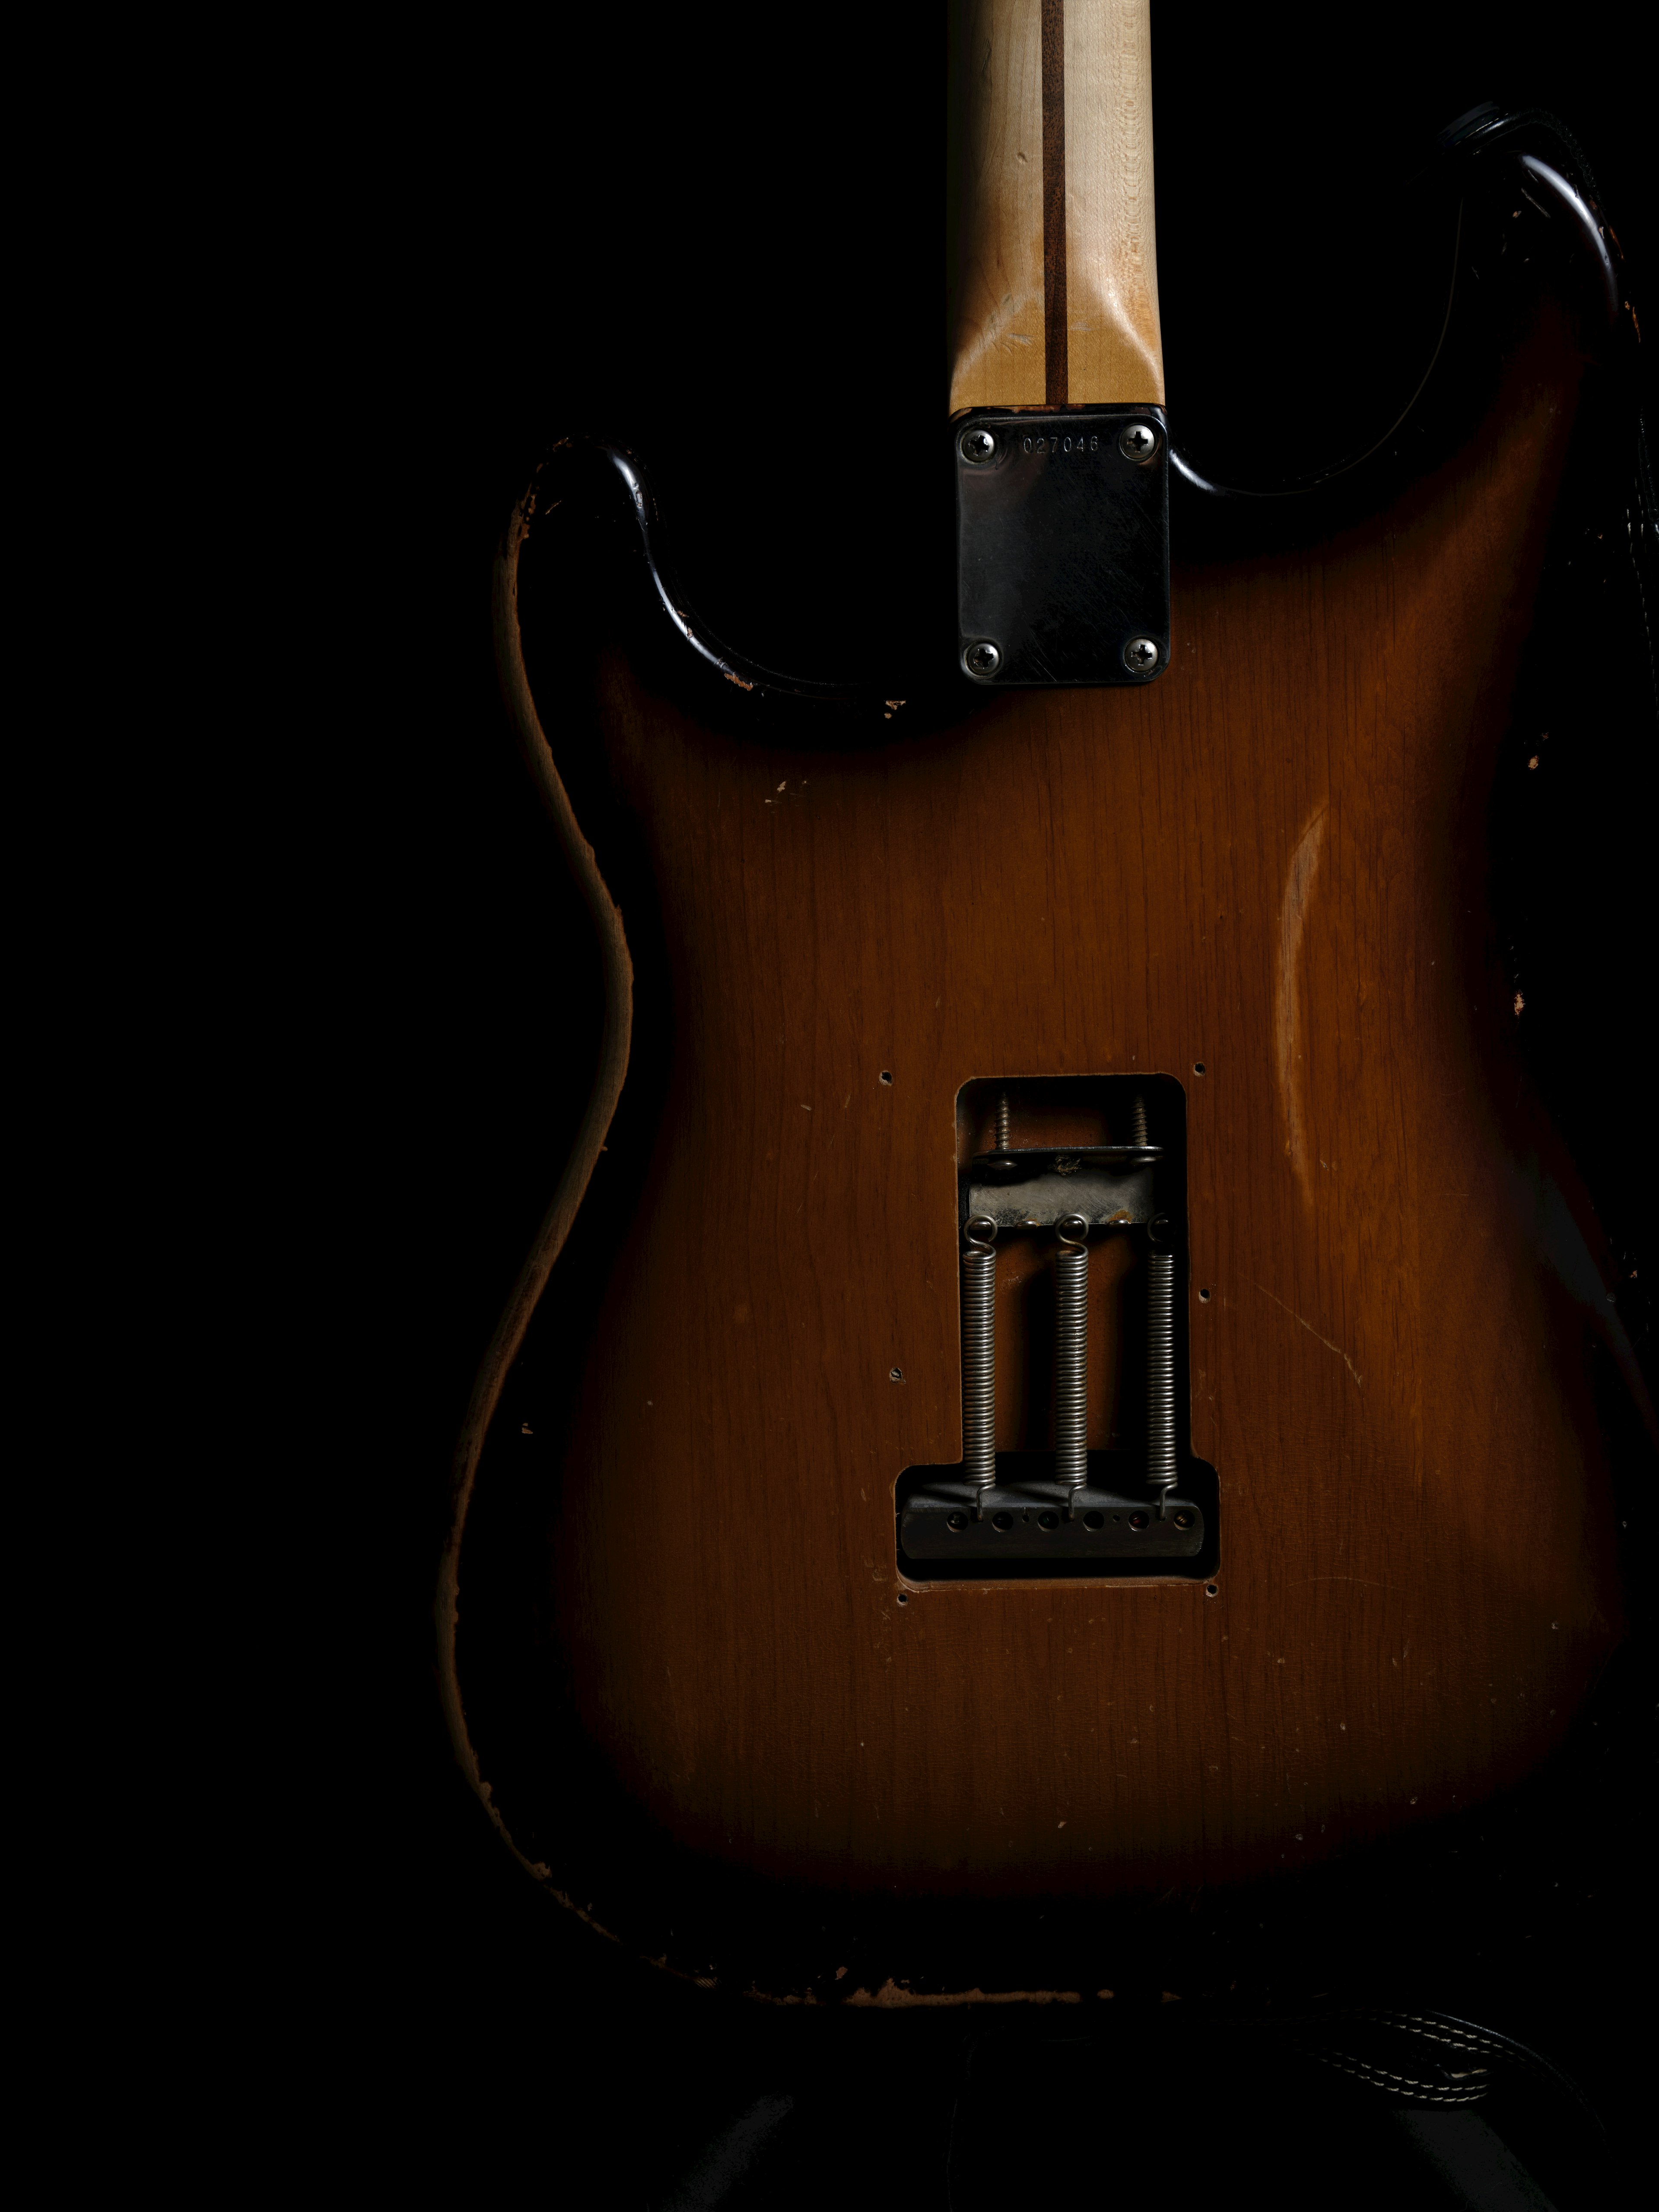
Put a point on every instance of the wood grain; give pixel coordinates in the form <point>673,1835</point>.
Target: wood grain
<point>1114,347</point>
<point>1099,342</point>
<point>997,350</point>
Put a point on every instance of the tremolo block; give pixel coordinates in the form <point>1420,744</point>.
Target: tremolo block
<point>1029,1516</point>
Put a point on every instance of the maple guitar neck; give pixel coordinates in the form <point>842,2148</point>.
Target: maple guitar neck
<point>1062,523</point>
<point>1057,274</point>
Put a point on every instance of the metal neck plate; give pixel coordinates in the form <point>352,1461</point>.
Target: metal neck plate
<point>1062,545</point>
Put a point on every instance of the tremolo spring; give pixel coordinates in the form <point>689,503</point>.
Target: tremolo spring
<point>979,1356</point>
<point>1160,1375</point>
<point>1071,1350</point>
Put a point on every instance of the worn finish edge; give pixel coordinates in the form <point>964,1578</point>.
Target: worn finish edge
<point>617,974</point>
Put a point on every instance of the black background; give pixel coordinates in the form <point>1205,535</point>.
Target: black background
<point>711,236</point>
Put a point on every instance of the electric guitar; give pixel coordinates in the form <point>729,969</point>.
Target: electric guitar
<point>1056,1381</point>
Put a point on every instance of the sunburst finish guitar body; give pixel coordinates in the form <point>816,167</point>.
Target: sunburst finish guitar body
<point>1229,928</point>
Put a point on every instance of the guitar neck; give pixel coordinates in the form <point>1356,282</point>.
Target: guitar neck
<point>1057,280</point>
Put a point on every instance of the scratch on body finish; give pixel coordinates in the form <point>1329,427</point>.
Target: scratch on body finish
<point>1292,920</point>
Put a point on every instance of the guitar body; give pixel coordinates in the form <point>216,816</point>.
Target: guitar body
<point>702,1692</point>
